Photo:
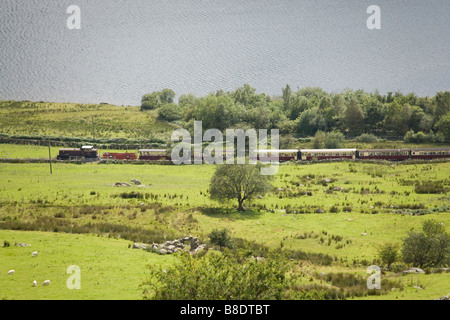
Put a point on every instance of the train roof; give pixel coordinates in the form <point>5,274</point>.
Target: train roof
<point>328,150</point>
<point>432,149</point>
<point>152,150</point>
<point>278,150</point>
<point>383,150</point>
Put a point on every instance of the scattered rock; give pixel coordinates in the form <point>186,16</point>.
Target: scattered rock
<point>136,182</point>
<point>319,211</point>
<point>417,287</point>
<point>364,234</point>
<point>413,270</point>
<point>21,245</point>
<point>338,189</point>
<point>170,247</point>
<point>122,184</point>
<point>327,180</point>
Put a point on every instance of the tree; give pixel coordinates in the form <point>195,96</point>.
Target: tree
<point>354,118</point>
<point>170,112</point>
<point>287,95</point>
<point>309,122</point>
<point>442,103</point>
<point>389,253</point>
<point>429,248</point>
<point>240,182</point>
<point>443,127</point>
<point>155,100</point>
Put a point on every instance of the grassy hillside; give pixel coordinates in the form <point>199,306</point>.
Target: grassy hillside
<point>77,120</point>
<point>93,218</point>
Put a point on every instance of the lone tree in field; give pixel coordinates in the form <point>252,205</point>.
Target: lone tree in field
<point>241,182</point>
<point>431,248</point>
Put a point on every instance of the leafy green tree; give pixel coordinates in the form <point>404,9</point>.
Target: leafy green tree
<point>389,253</point>
<point>151,101</point>
<point>170,112</point>
<point>239,182</point>
<point>216,275</point>
<point>334,140</point>
<point>319,140</point>
<point>309,122</point>
<point>443,127</point>
<point>287,96</point>
<point>430,248</point>
<point>354,118</point>
<point>442,103</point>
<point>155,100</point>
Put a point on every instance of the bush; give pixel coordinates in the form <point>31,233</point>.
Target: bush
<point>221,238</point>
<point>389,253</point>
<point>367,138</point>
<point>219,276</point>
<point>419,137</point>
<point>429,248</point>
<point>427,187</point>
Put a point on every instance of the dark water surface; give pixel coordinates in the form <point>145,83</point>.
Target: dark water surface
<point>128,48</point>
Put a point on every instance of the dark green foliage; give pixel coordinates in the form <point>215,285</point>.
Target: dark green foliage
<point>430,248</point>
<point>427,187</point>
<point>238,182</point>
<point>389,253</point>
<point>230,275</point>
<point>221,238</point>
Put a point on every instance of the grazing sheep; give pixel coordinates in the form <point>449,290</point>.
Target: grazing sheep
<point>34,283</point>
<point>11,272</point>
<point>34,254</point>
<point>46,283</point>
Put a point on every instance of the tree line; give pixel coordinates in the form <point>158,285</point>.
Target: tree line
<point>307,111</point>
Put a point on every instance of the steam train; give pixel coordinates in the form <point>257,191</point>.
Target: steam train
<point>88,153</point>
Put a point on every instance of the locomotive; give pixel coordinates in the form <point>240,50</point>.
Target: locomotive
<point>85,153</point>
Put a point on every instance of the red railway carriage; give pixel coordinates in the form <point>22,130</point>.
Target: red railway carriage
<point>86,153</point>
<point>153,155</point>
<point>326,154</point>
<point>384,154</point>
<point>282,155</point>
<point>119,156</point>
<point>428,154</point>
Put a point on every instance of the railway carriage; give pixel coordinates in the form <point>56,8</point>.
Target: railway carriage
<point>326,154</point>
<point>429,154</point>
<point>384,154</point>
<point>153,155</point>
<point>282,155</point>
<point>119,156</point>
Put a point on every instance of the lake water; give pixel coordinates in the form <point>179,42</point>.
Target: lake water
<point>128,48</point>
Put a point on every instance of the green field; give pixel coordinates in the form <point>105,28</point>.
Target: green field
<point>77,216</point>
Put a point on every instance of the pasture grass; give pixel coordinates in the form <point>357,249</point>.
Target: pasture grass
<point>364,205</point>
<point>110,270</point>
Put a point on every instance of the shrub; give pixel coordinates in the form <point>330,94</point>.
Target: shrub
<point>367,138</point>
<point>427,187</point>
<point>221,238</point>
<point>389,253</point>
<point>219,276</point>
<point>429,248</point>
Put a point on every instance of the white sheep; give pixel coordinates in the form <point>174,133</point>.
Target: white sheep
<point>34,283</point>
<point>34,254</point>
<point>46,283</point>
<point>10,272</point>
